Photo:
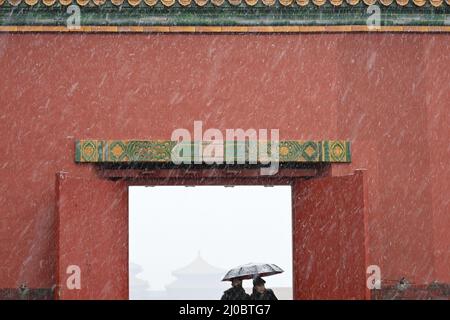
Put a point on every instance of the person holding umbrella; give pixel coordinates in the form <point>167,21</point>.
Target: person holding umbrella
<point>250,271</point>
<point>260,292</point>
<point>236,292</point>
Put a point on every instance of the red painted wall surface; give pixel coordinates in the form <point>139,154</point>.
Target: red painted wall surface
<point>99,247</point>
<point>388,93</point>
<point>329,231</point>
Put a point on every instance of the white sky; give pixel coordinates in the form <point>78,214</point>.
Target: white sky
<point>230,226</point>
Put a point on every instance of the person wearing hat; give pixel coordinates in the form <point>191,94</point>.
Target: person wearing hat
<point>260,292</point>
<point>236,292</point>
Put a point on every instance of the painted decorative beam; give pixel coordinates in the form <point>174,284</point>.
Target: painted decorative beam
<point>223,15</point>
<point>160,151</point>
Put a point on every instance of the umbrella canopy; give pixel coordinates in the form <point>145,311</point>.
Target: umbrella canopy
<point>250,270</point>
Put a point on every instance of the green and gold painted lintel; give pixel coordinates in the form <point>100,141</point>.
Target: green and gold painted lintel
<point>160,151</point>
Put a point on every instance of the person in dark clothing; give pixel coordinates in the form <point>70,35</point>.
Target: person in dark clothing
<point>260,292</point>
<point>236,292</point>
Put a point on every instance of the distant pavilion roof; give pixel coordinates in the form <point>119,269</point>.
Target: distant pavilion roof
<point>198,266</point>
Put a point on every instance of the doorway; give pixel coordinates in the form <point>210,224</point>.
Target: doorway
<point>182,240</point>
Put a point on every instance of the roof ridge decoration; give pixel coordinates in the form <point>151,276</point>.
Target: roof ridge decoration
<point>225,15</point>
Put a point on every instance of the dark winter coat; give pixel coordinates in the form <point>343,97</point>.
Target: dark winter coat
<point>267,295</point>
<point>235,293</point>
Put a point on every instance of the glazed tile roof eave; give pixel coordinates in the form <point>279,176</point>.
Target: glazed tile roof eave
<point>225,15</point>
<point>233,3</point>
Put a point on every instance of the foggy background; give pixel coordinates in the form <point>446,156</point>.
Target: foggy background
<point>182,240</point>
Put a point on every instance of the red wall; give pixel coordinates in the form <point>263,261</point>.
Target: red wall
<point>329,232</point>
<point>99,247</point>
<point>388,93</point>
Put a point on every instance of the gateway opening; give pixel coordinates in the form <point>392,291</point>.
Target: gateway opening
<point>184,240</point>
